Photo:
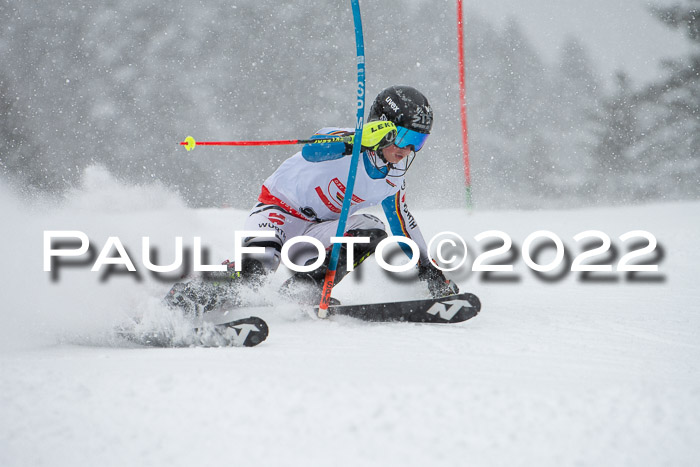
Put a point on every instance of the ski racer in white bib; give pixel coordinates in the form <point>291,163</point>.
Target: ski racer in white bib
<point>305,194</point>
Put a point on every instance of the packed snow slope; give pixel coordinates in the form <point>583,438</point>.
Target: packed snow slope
<point>556,372</point>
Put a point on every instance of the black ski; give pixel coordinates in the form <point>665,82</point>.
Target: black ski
<point>450,309</point>
<point>246,332</point>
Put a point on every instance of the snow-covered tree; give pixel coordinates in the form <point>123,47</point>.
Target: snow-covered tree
<point>618,133</point>
<point>574,116</point>
<point>669,148</point>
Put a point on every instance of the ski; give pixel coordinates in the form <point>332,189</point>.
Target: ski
<point>450,309</point>
<point>245,332</point>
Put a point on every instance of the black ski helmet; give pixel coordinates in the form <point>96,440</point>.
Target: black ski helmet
<point>404,106</point>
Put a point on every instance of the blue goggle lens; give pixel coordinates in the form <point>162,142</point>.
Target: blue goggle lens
<point>406,137</point>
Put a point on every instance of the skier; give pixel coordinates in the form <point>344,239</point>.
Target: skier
<point>304,197</point>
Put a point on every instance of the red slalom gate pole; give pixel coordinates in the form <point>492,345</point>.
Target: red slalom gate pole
<point>463,103</point>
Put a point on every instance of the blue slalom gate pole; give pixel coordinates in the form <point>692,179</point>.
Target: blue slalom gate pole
<point>356,149</point>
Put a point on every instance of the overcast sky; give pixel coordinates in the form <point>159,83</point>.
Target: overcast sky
<point>617,33</point>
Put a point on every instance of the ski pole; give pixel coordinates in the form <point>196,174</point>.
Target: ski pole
<point>350,185</point>
<point>190,142</point>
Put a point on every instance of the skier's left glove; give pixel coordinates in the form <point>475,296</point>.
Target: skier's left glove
<point>438,284</point>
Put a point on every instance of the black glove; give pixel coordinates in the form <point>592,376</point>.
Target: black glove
<point>438,284</point>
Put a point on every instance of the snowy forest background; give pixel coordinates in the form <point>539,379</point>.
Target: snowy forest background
<point>118,83</point>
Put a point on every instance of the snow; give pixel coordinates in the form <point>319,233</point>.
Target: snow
<point>550,373</point>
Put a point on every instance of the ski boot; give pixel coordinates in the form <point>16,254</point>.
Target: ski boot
<point>215,289</point>
<point>306,288</point>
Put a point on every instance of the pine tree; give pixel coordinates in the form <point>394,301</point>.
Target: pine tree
<point>617,135</point>
<point>669,149</point>
<point>575,114</point>
<point>17,153</point>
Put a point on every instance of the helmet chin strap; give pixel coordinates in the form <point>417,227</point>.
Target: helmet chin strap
<point>385,166</point>
<point>379,162</point>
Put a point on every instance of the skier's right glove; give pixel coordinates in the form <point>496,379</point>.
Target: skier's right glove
<point>438,284</point>
<point>378,134</point>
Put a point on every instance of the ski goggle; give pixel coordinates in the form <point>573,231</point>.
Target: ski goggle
<point>406,137</point>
